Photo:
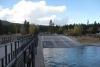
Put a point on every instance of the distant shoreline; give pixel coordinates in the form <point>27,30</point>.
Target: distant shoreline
<point>87,40</point>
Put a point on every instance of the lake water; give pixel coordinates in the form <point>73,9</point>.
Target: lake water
<point>84,56</point>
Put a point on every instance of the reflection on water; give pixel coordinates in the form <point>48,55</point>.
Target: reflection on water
<point>85,56</point>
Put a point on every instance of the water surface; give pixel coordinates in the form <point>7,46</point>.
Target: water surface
<point>84,56</point>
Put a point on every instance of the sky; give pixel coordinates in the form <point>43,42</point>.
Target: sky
<point>41,11</point>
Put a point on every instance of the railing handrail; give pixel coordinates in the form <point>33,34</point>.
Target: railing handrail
<point>7,39</point>
<point>2,45</point>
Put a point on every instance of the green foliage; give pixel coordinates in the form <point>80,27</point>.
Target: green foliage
<point>33,28</point>
<point>60,30</point>
<point>95,29</point>
<point>7,27</point>
<point>26,27</point>
<point>74,29</point>
<point>51,27</point>
<point>1,27</point>
<point>77,30</point>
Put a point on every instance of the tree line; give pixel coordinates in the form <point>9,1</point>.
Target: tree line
<point>15,28</point>
<point>68,29</point>
<point>72,29</point>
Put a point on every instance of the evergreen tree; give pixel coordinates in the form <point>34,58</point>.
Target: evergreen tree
<point>95,29</point>
<point>26,27</point>
<point>1,29</point>
<point>51,26</point>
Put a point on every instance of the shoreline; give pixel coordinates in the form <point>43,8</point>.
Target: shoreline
<point>86,41</point>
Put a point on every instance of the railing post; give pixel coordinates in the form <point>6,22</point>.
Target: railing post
<point>3,40</point>
<point>2,62</point>
<point>5,54</point>
<point>18,47</point>
<point>11,51</point>
<point>24,57</point>
<point>9,58</point>
<point>15,48</point>
<point>32,55</point>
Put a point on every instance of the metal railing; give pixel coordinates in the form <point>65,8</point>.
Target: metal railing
<point>19,53</point>
<point>11,38</point>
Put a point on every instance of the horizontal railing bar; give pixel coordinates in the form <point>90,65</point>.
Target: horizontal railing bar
<point>2,45</point>
<point>7,38</point>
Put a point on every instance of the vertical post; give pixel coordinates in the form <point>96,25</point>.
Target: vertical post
<point>29,49</point>
<point>24,57</point>
<point>2,62</point>
<point>7,39</point>
<point>32,55</point>
<point>11,51</point>
<point>3,39</point>
<point>15,53</point>
<point>5,54</point>
<point>18,46</point>
<point>10,38</point>
<point>9,58</point>
<point>15,48</point>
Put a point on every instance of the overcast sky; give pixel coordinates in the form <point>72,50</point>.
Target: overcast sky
<point>41,11</point>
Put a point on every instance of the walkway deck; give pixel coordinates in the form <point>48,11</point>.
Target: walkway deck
<point>39,59</point>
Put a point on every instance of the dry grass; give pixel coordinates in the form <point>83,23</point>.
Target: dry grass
<point>88,39</point>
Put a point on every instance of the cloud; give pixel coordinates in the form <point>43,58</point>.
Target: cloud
<point>56,9</point>
<point>4,12</point>
<point>32,11</point>
<point>53,17</point>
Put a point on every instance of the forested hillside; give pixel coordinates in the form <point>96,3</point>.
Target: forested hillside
<point>14,28</point>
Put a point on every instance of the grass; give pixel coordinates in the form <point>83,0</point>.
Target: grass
<point>87,39</point>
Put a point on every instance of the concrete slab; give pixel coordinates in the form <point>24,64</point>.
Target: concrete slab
<point>39,59</point>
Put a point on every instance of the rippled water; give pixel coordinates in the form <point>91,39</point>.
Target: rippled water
<point>85,56</point>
